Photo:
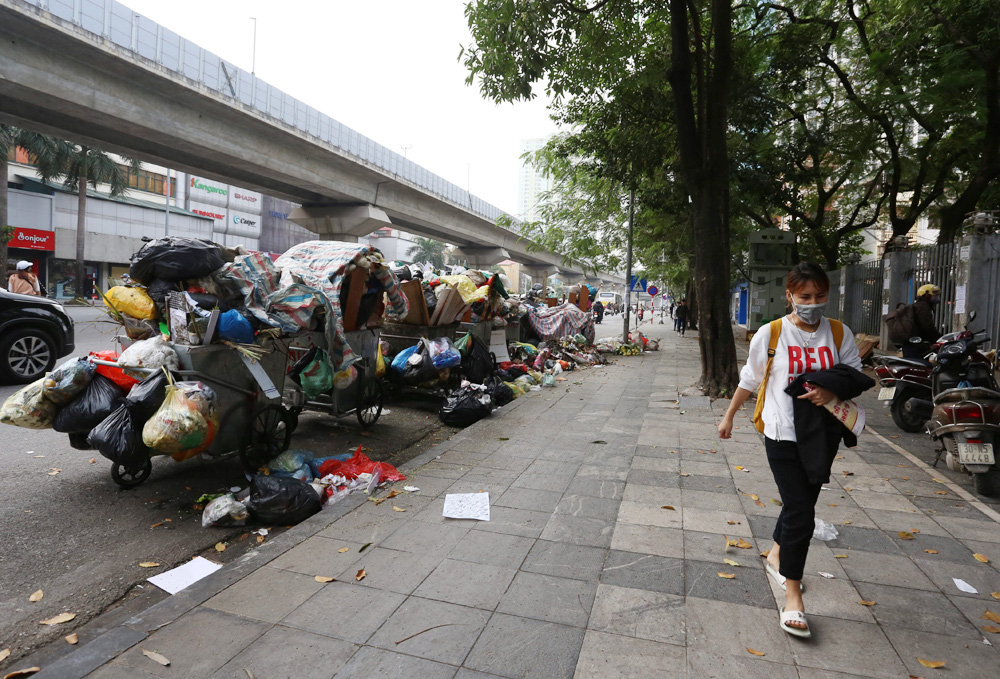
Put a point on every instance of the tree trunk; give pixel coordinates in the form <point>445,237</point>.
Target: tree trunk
<point>81,228</point>
<point>3,222</point>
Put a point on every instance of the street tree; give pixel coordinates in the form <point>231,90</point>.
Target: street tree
<point>643,77</point>
<point>428,250</point>
<point>78,167</point>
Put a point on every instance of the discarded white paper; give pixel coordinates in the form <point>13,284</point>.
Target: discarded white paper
<point>177,579</point>
<point>411,489</point>
<point>959,299</point>
<point>831,576</point>
<point>260,531</point>
<point>467,506</point>
<point>965,587</point>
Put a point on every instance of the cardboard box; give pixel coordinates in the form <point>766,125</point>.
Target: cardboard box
<point>418,314</point>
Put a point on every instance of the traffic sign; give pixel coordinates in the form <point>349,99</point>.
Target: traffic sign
<point>637,285</point>
<point>652,290</point>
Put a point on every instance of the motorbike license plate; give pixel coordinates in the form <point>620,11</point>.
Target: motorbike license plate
<point>886,393</point>
<point>975,453</point>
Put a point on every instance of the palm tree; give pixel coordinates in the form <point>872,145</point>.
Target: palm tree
<point>428,250</point>
<point>79,166</point>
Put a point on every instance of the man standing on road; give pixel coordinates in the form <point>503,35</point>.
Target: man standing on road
<point>23,282</point>
<point>928,297</point>
<point>681,317</point>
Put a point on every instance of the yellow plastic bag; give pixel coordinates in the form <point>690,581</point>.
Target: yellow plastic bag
<point>29,408</point>
<point>135,302</point>
<point>379,362</point>
<point>185,424</point>
<point>466,288</point>
<point>516,389</point>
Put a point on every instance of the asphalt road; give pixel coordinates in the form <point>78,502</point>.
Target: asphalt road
<point>79,538</point>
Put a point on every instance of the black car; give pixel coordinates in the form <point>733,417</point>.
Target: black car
<point>34,332</point>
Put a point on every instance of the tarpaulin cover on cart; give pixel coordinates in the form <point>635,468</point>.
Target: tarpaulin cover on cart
<point>560,321</point>
<point>287,292</point>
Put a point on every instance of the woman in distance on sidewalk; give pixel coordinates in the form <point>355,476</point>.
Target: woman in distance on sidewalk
<point>806,342</point>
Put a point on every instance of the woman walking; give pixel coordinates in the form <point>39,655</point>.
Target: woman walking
<point>799,363</point>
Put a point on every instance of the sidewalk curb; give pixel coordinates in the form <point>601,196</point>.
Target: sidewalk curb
<point>109,645</point>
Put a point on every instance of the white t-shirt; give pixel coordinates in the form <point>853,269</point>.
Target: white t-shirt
<point>797,352</point>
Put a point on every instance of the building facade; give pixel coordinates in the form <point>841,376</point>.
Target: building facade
<point>531,184</point>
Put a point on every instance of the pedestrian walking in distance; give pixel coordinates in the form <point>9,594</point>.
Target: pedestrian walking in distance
<point>800,436</point>
<point>681,317</point>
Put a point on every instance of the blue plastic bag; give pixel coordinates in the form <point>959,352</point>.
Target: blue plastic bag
<point>318,462</point>
<point>399,362</point>
<point>235,328</point>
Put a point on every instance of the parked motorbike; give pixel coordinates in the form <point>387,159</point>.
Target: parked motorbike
<point>964,415</point>
<point>901,379</point>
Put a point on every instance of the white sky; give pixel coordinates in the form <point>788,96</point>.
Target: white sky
<point>386,68</point>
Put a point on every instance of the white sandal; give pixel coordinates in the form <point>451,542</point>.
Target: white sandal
<point>795,616</point>
<point>780,579</point>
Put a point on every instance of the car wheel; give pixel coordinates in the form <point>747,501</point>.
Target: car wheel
<point>26,355</point>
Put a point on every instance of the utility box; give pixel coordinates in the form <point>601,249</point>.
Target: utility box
<point>771,252</point>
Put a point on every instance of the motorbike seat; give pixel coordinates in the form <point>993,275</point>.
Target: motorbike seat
<point>916,363</point>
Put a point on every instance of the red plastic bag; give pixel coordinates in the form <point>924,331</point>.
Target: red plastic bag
<point>359,464</point>
<point>116,375</point>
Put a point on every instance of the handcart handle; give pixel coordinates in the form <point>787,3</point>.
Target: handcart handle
<point>182,373</point>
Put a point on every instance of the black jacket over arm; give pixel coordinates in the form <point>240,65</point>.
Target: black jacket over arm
<point>817,431</point>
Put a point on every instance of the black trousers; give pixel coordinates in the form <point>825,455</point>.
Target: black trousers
<point>796,521</point>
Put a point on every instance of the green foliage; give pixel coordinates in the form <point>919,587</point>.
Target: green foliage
<point>428,250</point>
<point>6,233</point>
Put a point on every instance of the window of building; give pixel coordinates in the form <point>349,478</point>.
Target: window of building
<point>144,180</point>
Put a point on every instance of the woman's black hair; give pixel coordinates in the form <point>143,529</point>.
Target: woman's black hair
<point>807,272</point>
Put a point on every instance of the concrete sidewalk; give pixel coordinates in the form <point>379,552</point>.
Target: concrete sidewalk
<point>610,498</point>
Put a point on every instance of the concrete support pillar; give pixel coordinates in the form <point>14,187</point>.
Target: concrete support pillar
<point>539,274</point>
<point>972,277</point>
<point>481,257</point>
<point>340,222</point>
<point>896,285</point>
<point>844,304</point>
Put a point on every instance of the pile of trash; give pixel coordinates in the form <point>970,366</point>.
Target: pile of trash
<point>295,485</point>
<point>104,408</point>
<point>436,298</point>
<point>637,344</point>
<point>179,285</point>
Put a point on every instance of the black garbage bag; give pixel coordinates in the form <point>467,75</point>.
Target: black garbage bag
<point>119,438</point>
<point>147,397</point>
<point>430,299</point>
<point>498,391</point>
<point>209,302</point>
<point>465,406</point>
<point>78,441</point>
<point>174,258</point>
<point>402,273</point>
<point>478,363</point>
<point>418,372</point>
<point>87,410</point>
<point>281,500</point>
<point>158,289</point>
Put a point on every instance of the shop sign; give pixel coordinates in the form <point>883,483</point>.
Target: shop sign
<point>33,239</point>
<point>245,196</point>
<point>207,188</point>
<point>205,213</point>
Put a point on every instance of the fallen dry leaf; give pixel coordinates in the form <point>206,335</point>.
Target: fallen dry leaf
<point>915,531</point>
<point>220,546</point>
<point>393,493</point>
<point>931,551</point>
<point>848,523</point>
<point>36,596</point>
<point>740,468</point>
<point>743,544</point>
<point>362,574</point>
<point>260,539</point>
<point>685,474</point>
<point>758,503</point>
<point>776,502</point>
<point>397,509</point>
<point>72,639</point>
<point>149,564</point>
<point>66,617</point>
<point>839,556</point>
<point>732,563</point>
<point>903,535</point>
<point>93,460</point>
<point>731,542</point>
<point>766,553</point>
<point>27,671</point>
<point>157,525</point>
<point>937,480</point>
<point>54,471</point>
<point>4,654</point>
<point>156,657</point>
<point>992,629</point>
<point>668,507</point>
<point>866,603</point>
<point>995,595</point>
<point>364,547</point>
<point>940,492</point>
<point>982,558</point>
<point>847,473</point>
<point>990,615</point>
<point>322,578</point>
<point>727,576</point>
<point>932,664</point>
<point>731,522</point>
<point>754,651</point>
<point>344,549</point>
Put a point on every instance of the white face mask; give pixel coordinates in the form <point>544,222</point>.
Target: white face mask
<point>809,313</point>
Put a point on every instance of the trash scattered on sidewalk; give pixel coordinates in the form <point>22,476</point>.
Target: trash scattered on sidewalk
<point>467,506</point>
<point>829,576</point>
<point>411,489</point>
<point>183,576</point>
<point>824,531</point>
<point>156,657</point>
<point>964,586</point>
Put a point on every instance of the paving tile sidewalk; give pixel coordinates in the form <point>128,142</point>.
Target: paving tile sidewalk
<point>582,572</point>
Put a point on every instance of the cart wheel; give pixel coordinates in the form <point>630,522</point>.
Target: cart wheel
<point>130,479</point>
<point>269,435</point>
<point>370,402</point>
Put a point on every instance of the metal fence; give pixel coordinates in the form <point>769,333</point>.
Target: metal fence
<point>863,298</point>
<point>935,265</point>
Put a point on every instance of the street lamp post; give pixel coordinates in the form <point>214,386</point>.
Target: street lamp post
<point>628,265</point>
<point>253,67</point>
